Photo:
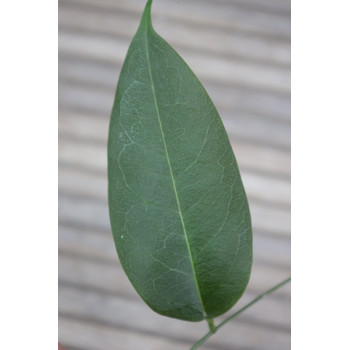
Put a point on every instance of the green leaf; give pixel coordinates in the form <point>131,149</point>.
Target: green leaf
<point>178,209</point>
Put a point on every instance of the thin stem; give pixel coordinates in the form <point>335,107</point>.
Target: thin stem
<point>210,333</point>
<point>212,328</point>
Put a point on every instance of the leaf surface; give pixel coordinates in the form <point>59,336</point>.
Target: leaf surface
<point>178,209</point>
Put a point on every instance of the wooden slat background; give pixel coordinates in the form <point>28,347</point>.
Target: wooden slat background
<point>240,50</point>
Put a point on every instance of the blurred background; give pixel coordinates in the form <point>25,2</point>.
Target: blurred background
<point>240,50</point>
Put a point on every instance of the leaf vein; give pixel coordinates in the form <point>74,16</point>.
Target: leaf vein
<point>172,176</point>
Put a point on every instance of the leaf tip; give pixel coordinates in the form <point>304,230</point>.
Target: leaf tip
<point>146,17</point>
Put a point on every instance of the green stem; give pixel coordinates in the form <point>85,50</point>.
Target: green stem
<point>211,325</point>
<point>210,333</point>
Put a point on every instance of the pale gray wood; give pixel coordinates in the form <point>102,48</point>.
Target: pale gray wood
<point>86,242</point>
<point>273,6</point>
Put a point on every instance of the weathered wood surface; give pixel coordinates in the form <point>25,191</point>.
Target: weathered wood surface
<point>240,50</point>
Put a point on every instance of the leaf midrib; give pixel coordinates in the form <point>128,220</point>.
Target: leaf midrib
<point>171,171</point>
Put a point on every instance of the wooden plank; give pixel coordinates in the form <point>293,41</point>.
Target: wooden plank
<point>213,68</point>
<point>100,245</point>
<point>109,277</point>
<point>83,126</point>
<point>270,190</point>
<point>89,274</point>
<point>86,144</point>
<point>239,125</point>
<point>279,7</point>
<point>80,334</point>
<point>273,6</point>
<point>227,16</point>
<point>86,211</point>
<point>135,315</point>
<point>87,242</point>
<point>272,220</point>
<point>83,154</point>
<point>88,335</point>
<point>180,35</point>
<point>83,70</point>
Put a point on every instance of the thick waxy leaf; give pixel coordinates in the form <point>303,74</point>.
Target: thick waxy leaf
<point>178,209</point>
